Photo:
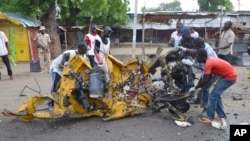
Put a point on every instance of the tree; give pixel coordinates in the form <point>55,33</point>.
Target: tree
<point>212,5</point>
<point>106,12</point>
<point>45,10</point>
<point>172,6</point>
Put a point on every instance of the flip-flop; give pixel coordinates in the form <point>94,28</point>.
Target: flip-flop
<point>204,120</point>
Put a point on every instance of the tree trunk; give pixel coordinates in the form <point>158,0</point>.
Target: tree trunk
<point>49,21</point>
<point>72,43</point>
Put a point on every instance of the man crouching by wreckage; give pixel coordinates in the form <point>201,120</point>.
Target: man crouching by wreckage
<point>228,77</point>
<point>99,76</point>
<point>57,65</point>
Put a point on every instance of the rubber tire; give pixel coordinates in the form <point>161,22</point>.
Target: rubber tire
<point>181,105</point>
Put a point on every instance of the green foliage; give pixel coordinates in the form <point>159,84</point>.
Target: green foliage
<point>108,12</point>
<point>33,8</point>
<point>172,6</point>
<point>212,5</point>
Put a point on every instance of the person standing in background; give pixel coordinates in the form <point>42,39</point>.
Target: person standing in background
<point>102,49</point>
<point>194,33</point>
<point>90,38</point>
<point>103,46</point>
<point>4,52</point>
<point>176,36</point>
<point>225,49</point>
<point>43,43</point>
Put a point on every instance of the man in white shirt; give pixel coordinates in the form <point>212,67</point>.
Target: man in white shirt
<point>194,33</point>
<point>57,65</point>
<point>4,51</point>
<point>176,36</point>
<point>226,42</point>
<point>90,39</point>
<point>102,48</point>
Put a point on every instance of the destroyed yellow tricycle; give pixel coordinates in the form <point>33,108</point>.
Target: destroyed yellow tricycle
<point>129,91</point>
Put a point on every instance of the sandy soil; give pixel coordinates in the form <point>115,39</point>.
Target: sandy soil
<point>148,126</point>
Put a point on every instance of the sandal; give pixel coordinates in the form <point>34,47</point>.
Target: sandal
<point>216,124</point>
<point>204,120</point>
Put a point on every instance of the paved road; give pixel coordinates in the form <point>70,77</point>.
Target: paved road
<point>145,127</point>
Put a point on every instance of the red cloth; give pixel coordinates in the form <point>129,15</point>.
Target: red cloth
<point>86,38</point>
<point>220,67</point>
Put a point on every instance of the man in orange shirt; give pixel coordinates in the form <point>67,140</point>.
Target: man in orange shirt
<point>227,78</point>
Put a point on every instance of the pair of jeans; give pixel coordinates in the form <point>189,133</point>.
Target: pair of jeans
<point>225,57</point>
<point>215,102</point>
<point>6,61</point>
<point>55,80</point>
<point>204,93</point>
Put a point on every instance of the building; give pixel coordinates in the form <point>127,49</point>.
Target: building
<point>20,31</point>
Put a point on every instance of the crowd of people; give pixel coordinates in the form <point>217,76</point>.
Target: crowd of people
<point>215,69</point>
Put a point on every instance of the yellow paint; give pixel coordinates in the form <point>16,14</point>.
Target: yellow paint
<point>17,36</point>
<point>114,104</point>
<point>21,44</point>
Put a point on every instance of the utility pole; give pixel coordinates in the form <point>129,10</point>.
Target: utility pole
<point>238,5</point>
<point>134,30</point>
<point>220,7</point>
<point>143,32</point>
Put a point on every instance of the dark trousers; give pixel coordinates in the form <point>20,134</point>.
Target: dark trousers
<point>92,60</point>
<point>7,64</point>
<point>225,57</point>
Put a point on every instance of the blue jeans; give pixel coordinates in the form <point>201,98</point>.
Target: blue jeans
<point>55,80</point>
<point>225,57</point>
<point>204,93</point>
<point>215,101</point>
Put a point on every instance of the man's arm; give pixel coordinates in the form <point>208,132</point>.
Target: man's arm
<point>97,51</point>
<point>204,81</point>
<point>7,46</point>
<point>224,47</point>
<point>189,50</point>
<point>65,58</point>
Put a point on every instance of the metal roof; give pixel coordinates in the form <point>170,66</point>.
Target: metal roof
<point>167,20</point>
<point>164,16</point>
<point>18,19</point>
<point>197,23</point>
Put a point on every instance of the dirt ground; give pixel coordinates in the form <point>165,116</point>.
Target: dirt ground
<point>145,127</point>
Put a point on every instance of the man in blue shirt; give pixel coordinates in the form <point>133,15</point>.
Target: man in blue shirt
<point>199,43</point>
